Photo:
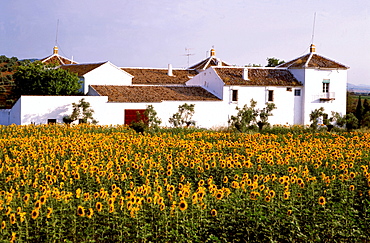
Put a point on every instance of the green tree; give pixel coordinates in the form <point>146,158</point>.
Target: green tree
<point>146,122</point>
<point>359,110</point>
<point>183,116</point>
<point>245,117</point>
<point>314,117</point>
<point>37,79</point>
<point>151,115</point>
<point>273,62</point>
<point>81,111</point>
<point>264,114</point>
<point>366,120</point>
<point>339,120</point>
<point>351,122</point>
<point>366,106</point>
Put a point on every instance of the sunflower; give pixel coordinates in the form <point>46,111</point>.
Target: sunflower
<point>35,213</point>
<point>38,204</point>
<point>322,200</point>
<point>159,189</point>
<point>149,200</point>
<point>183,205</point>
<point>201,183</point>
<point>225,180</point>
<point>8,210</point>
<point>49,212</point>
<point>201,195</point>
<point>22,216</point>
<point>219,195</point>
<point>80,211</point>
<point>289,212</point>
<point>267,198</point>
<point>43,199</point>
<point>162,206</point>
<point>254,195</point>
<point>111,201</point>
<point>14,237</point>
<point>99,206</point>
<point>129,205</point>
<point>214,212</point>
<point>351,187</point>
<point>13,219</point>
<point>26,198</point>
<point>235,185</point>
<point>111,208</point>
<point>3,225</point>
<point>89,213</point>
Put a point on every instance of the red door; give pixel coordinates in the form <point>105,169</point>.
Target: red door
<point>134,115</point>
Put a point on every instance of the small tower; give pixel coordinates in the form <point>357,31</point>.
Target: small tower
<point>55,50</point>
<point>312,48</point>
<point>213,52</point>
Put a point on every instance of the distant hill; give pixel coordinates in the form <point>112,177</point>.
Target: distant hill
<point>358,88</point>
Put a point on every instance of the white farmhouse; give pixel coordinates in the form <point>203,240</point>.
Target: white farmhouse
<point>216,88</point>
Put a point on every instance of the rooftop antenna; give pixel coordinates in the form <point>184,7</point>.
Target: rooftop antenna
<point>188,54</point>
<point>56,35</point>
<point>313,28</point>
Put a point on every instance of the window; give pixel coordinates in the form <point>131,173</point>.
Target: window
<point>234,95</point>
<point>270,95</point>
<point>52,121</point>
<point>289,89</point>
<point>325,85</point>
<point>297,92</point>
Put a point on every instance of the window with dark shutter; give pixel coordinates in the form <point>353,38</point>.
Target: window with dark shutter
<point>270,95</point>
<point>234,95</point>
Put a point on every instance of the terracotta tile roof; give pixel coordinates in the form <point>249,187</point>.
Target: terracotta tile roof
<point>81,69</point>
<point>159,76</point>
<point>137,94</point>
<point>208,62</point>
<point>313,60</point>
<point>257,76</point>
<point>56,59</point>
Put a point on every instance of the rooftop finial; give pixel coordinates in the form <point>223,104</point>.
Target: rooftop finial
<point>213,52</point>
<point>55,50</point>
<point>312,48</point>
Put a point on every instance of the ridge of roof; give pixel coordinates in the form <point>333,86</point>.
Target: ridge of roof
<point>206,63</point>
<point>313,60</point>
<point>257,76</point>
<point>157,76</point>
<point>61,59</point>
<point>82,69</point>
<point>153,93</point>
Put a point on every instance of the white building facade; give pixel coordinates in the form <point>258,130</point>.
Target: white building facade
<point>296,88</point>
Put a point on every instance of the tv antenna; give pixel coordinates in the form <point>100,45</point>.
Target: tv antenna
<point>56,35</point>
<point>188,54</point>
<point>313,28</point>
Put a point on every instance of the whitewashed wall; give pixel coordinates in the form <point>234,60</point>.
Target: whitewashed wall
<point>106,74</point>
<point>283,99</point>
<point>38,109</point>
<point>210,81</point>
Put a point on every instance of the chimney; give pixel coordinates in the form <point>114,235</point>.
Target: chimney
<point>312,48</point>
<point>213,52</point>
<point>169,73</point>
<point>55,50</point>
<point>245,74</point>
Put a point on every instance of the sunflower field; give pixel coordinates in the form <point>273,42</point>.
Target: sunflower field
<point>109,184</point>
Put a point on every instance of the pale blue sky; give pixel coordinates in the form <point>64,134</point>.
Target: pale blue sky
<point>145,33</point>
